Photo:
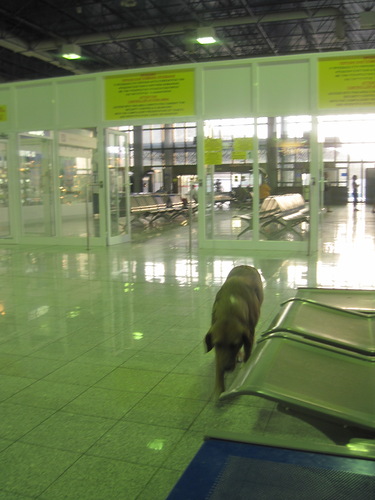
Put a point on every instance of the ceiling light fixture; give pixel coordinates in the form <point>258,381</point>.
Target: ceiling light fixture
<point>206,35</point>
<point>71,51</point>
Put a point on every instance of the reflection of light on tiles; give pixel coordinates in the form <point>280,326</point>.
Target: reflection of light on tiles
<point>236,222</point>
<point>79,264</point>
<point>155,271</point>
<point>222,268</point>
<point>186,271</point>
<point>352,248</point>
<point>38,312</point>
<point>137,335</point>
<point>74,313</point>
<point>297,275</point>
<point>128,287</point>
<point>156,444</point>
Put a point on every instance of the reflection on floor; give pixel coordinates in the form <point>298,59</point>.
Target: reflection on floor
<point>105,387</point>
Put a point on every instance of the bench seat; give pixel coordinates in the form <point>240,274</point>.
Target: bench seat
<point>279,215</point>
<point>312,378</point>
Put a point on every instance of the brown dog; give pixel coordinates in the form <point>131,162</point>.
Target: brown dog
<point>235,313</point>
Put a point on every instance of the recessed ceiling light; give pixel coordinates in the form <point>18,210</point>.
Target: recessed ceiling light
<point>206,35</point>
<point>71,51</point>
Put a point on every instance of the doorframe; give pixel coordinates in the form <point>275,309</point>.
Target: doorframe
<point>126,236</point>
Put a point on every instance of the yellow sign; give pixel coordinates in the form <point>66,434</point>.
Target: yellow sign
<point>213,158</point>
<point>3,113</point>
<point>213,151</point>
<point>347,82</point>
<point>243,144</point>
<point>213,144</point>
<point>241,148</point>
<point>239,155</point>
<point>148,95</point>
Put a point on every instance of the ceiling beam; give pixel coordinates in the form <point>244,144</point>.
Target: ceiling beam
<point>45,50</point>
<point>183,27</point>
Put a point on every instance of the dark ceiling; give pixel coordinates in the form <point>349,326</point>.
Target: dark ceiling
<point>121,34</point>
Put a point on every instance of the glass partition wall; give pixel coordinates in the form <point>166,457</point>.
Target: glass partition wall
<point>348,145</point>
<point>58,173</point>
<point>155,171</point>
<point>61,178</point>
<point>4,194</point>
<point>246,161</point>
<point>78,171</point>
<point>36,183</point>
<point>229,175</point>
<point>284,157</point>
<point>119,157</point>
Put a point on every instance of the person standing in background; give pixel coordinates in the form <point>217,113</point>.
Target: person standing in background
<point>355,187</point>
<point>327,192</point>
<point>264,190</point>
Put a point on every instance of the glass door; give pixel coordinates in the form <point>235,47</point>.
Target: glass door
<point>229,176</point>
<point>78,184</point>
<point>348,149</point>
<point>257,181</point>
<point>4,199</point>
<point>36,183</point>
<point>118,206</point>
<point>59,188</point>
<point>284,154</point>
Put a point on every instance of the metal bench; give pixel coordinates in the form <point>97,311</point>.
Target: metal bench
<point>313,378</point>
<point>345,298</point>
<point>317,358</point>
<point>147,208</point>
<point>352,330</point>
<point>279,215</point>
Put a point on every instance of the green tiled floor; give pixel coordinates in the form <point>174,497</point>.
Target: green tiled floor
<point>105,388</point>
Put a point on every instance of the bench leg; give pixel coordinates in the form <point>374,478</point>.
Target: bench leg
<point>288,228</point>
<point>248,228</point>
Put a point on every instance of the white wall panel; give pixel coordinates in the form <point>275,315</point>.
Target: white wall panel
<point>227,92</point>
<point>77,103</point>
<point>284,88</point>
<point>35,106</point>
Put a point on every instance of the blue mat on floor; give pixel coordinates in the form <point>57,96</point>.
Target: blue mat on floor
<point>224,470</point>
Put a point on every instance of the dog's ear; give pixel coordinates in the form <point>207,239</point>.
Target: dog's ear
<point>247,345</point>
<point>208,341</point>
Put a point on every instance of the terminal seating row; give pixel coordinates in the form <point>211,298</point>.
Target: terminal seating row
<point>279,215</point>
<point>318,358</point>
<point>220,199</point>
<point>147,208</point>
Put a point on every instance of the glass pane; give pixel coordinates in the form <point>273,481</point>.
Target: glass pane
<point>79,189</point>
<point>284,164</point>
<point>36,183</point>
<point>117,171</point>
<point>348,149</point>
<point>4,206</point>
<point>229,177</point>
<point>179,136</point>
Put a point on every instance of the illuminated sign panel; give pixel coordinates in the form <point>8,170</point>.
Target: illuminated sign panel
<point>346,82</point>
<point>148,95</point>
